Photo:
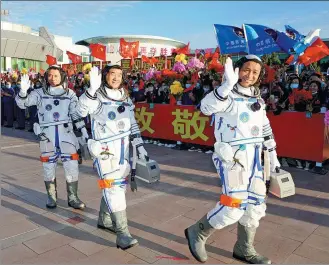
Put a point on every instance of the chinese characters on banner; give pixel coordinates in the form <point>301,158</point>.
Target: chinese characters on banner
<point>265,45</point>
<point>144,119</point>
<point>182,123</point>
<point>146,51</point>
<point>110,48</point>
<point>235,45</point>
<point>160,65</point>
<point>185,124</point>
<point>78,67</point>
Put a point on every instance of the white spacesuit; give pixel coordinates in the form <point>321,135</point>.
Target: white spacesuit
<point>241,130</point>
<point>56,111</point>
<point>113,127</point>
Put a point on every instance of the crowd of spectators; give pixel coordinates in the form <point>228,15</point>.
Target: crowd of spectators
<point>307,92</point>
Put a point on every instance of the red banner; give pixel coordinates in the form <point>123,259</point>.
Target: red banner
<point>304,138</point>
<point>178,123</point>
<point>300,137</point>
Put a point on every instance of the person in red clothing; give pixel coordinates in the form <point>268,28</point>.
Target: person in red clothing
<point>299,96</point>
<point>141,83</point>
<point>315,103</point>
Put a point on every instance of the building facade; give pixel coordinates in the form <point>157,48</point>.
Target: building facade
<point>23,47</point>
<point>148,45</point>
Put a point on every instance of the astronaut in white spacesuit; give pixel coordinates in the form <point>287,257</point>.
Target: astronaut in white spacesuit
<point>113,127</point>
<point>56,106</point>
<point>242,129</point>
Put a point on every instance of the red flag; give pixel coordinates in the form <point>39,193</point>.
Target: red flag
<point>98,51</point>
<point>290,59</point>
<point>207,56</point>
<point>314,53</point>
<point>195,77</point>
<point>74,58</point>
<point>150,61</point>
<point>270,74</point>
<point>145,59</point>
<point>215,65</point>
<point>129,49</point>
<point>183,50</point>
<point>51,60</point>
<point>190,88</point>
<point>172,100</point>
<point>153,61</point>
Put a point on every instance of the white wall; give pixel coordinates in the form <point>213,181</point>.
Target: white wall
<point>15,27</point>
<point>66,44</point>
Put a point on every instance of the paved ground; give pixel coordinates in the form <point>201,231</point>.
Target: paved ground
<point>295,230</point>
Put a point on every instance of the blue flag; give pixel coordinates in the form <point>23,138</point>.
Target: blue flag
<point>261,39</point>
<point>230,39</point>
<point>294,34</point>
<point>286,43</point>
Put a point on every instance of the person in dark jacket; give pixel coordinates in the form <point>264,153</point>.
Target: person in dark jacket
<point>8,99</point>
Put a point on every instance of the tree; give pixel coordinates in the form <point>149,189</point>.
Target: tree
<point>271,59</point>
<point>316,67</point>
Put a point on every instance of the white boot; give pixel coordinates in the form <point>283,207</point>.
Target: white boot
<point>244,247</point>
<point>124,239</point>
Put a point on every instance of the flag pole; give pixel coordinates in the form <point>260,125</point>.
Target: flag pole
<point>141,63</point>
<point>245,36</point>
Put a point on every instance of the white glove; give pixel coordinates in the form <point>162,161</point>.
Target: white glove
<point>36,128</point>
<point>231,77</point>
<point>25,85</point>
<point>95,80</point>
<point>142,154</point>
<point>274,162</point>
<point>224,151</point>
<point>137,141</point>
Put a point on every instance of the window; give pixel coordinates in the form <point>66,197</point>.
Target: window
<point>19,64</point>
<point>14,64</point>
<point>37,66</point>
<point>3,64</point>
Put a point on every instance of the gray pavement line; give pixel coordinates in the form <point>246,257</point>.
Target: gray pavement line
<point>152,195</point>
<point>21,233</point>
<point>20,145</point>
<point>180,169</point>
<point>144,198</point>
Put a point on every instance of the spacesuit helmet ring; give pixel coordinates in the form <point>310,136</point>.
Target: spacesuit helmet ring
<point>252,58</point>
<point>62,73</point>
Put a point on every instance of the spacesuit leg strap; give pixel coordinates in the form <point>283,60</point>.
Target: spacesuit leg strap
<point>256,163</point>
<point>122,151</point>
<point>109,183</point>
<point>232,202</point>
